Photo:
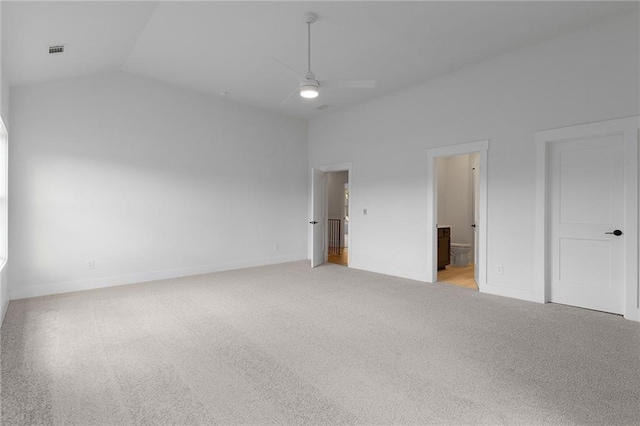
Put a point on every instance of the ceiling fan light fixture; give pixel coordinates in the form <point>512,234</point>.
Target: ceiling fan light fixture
<point>309,91</point>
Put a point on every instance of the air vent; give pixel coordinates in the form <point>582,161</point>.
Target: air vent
<point>56,49</point>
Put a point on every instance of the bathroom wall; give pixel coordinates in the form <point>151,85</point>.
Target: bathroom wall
<point>455,197</point>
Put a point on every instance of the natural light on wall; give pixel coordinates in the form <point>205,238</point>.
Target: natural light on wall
<point>3,193</point>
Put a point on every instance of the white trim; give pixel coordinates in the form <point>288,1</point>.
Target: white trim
<point>541,273</point>
<point>630,127</point>
<point>339,167</point>
<point>5,308</point>
<point>81,285</point>
<point>515,293</point>
<point>632,261</point>
<point>4,224</point>
<point>375,268</point>
<point>481,147</point>
<point>4,145</point>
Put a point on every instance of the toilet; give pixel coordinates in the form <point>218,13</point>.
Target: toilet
<point>460,254</point>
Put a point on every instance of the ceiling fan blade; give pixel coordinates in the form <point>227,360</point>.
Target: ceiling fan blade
<point>348,84</point>
<point>295,73</point>
<point>288,96</point>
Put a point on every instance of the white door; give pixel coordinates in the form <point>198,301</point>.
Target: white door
<point>318,220</point>
<point>476,220</point>
<point>586,199</point>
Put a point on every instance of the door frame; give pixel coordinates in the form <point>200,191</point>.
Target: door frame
<point>338,167</point>
<point>630,128</point>
<point>480,147</point>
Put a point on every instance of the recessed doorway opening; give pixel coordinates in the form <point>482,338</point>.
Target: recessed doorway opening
<point>330,233</point>
<point>338,217</point>
<point>457,214</point>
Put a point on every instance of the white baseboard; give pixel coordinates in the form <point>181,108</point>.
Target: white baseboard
<point>69,286</point>
<point>513,293</point>
<point>410,275</point>
<point>3,288</point>
<point>633,315</point>
<point>3,312</point>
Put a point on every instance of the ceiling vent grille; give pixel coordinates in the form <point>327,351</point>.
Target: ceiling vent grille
<point>56,49</point>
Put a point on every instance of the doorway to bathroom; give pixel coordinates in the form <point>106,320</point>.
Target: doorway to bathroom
<point>457,197</point>
<point>456,208</point>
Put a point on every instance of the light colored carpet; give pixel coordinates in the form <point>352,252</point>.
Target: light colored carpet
<point>332,345</point>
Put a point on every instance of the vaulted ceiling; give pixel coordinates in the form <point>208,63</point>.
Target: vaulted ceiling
<point>215,46</point>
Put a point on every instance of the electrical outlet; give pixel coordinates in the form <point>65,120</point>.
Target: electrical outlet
<point>499,269</point>
<point>276,246</point>
<point>91,264</point>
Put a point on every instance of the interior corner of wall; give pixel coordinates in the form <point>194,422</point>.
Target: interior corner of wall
<point>633,315</point>
<point>3,310</point>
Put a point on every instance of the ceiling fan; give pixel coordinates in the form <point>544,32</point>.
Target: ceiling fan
<point>309,87</point>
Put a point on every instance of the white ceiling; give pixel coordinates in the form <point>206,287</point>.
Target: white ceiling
<point>214,46</point>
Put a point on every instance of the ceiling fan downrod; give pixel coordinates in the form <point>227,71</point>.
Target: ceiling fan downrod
<point>309,88</point>
<point>309,18</point>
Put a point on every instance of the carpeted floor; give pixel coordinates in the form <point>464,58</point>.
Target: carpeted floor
<point>332,345</point>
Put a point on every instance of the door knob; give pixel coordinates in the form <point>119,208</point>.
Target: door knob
<point>313,222</point>
<point>473,226</point>
<point>617,232</point>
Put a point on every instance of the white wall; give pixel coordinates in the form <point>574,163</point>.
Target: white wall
<point>149,181</point>
<point>4,84</point>
<point>4,283</point>
<point>4,116</point>
<point>4,95</point>
<point>588,75</point>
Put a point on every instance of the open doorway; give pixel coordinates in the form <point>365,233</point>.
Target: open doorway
<point>330,226</point>
<point>338,217</point>
<point>478,180</point>
<point>457,214</point>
